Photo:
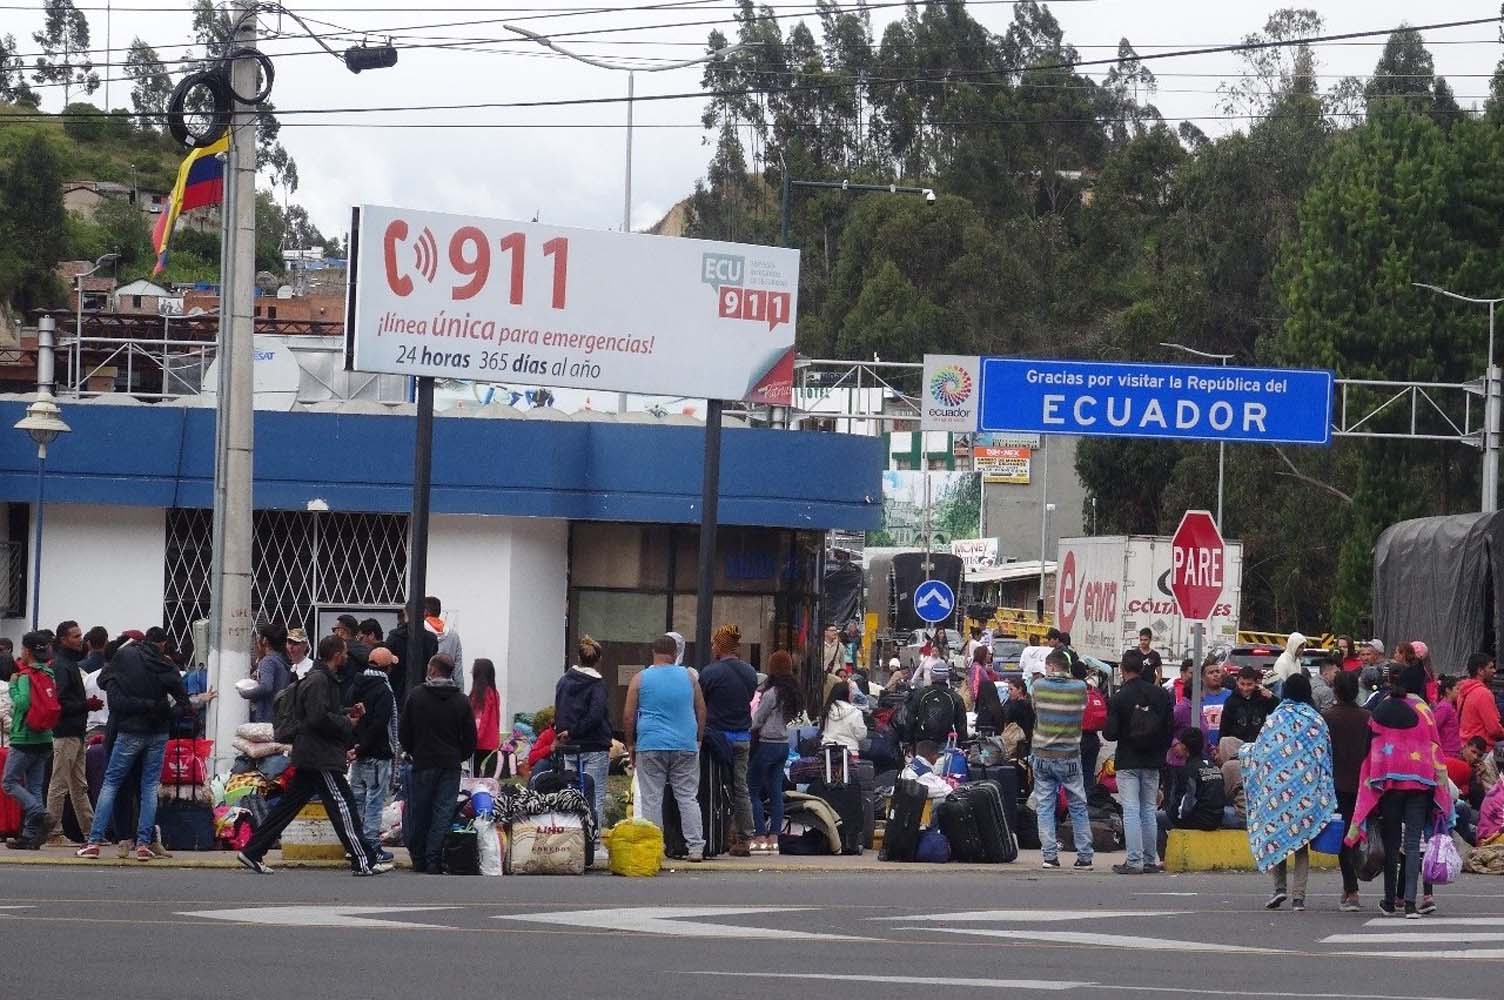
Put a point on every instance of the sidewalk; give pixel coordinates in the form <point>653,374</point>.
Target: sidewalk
<point>1028,863</point>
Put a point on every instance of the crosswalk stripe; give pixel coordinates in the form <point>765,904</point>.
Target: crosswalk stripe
<point>1403,937</point>
<point>672,921</point>
<point>1443,922</point>
<point>1084,938</point>
<point>1035,916</point>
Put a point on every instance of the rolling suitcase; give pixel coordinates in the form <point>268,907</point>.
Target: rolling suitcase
<point>958,822</point>
<point>986,799</point>
<point>1006,776</point>
<point>901,835</point>
<point>10,809</point>
<point>715,811</point>
<point>846,802</point>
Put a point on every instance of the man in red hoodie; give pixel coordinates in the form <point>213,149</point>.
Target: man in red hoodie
<point>1478,711</point>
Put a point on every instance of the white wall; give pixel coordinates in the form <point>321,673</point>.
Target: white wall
<point>502,581</point>
<point>100,566</point>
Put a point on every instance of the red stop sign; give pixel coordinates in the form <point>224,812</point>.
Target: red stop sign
<point>1197,565</point>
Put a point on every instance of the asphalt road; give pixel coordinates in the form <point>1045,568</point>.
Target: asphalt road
<point>139,933</point>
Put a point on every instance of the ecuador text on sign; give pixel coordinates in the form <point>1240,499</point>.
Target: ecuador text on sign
<point>1264,405</point>
<point>501,301</point>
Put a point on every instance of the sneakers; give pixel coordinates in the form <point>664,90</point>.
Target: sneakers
<point>1350,904</point>
<point>1051,864</point>
<point>1277,900</point>
<point>1126,870</point>
<point>1082,865</point>
<point>143,853</point>
<point>379,868</point>
<point>1154,869</point>
<point>89,851</point>
<point>255,865</point>
<point>385,857</point>
<point>1427,906</point>
<point>1386,907</point>
<point>695,859</point>
<point>1411,913</point>
<point>1298,905</point>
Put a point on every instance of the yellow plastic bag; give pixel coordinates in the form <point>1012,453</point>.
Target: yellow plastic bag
<point>636,848</point>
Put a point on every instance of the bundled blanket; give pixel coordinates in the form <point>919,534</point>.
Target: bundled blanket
<point>516,802</point>
<point>1287,780</point>
<point>1405,754</point>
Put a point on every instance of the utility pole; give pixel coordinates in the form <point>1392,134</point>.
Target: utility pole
<point>231,620</point>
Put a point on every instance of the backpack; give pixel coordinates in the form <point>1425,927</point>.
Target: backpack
<point>45,710</point>
<point>934,715</point>
<point>287,722</point>
<point>1094,719</point>
<point>1143,731</point>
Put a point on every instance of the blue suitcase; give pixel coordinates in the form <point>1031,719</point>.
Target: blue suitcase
<point>186,826</point>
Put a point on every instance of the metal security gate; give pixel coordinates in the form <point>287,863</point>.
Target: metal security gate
<point>301,560</point>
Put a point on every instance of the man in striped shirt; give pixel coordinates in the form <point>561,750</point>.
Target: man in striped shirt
<point>1059,703</point>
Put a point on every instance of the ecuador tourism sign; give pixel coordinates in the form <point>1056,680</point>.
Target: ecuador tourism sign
<point>1193,402</point>
<point>492,300</point>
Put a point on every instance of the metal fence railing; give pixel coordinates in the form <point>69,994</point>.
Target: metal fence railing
<point>12,579</point>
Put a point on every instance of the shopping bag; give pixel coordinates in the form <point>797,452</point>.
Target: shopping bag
<point>1441,864</point>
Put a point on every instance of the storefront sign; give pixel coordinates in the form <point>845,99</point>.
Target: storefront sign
<point>975,553</point>
<point>1004,458</point>
<point>492,300</point>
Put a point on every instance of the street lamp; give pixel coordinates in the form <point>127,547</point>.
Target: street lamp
<point>1491,400</point>
<point>43,422</point>
<point>789,185</point>
<point>631,71</point>
<point>1221,445</point>
<point>104,261</point>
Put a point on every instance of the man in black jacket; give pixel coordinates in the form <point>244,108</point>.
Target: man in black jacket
<point>929,716</point>
<point>69,779</point>
<point>142,685</point>
<point>1246,708</point>
<point>396,641</point>
<point>728,685</point>
<point>1139,720</point>
<point>325,734</point>
<point>1197,794</point>
<point>437,730</point>
<point>375,743</point>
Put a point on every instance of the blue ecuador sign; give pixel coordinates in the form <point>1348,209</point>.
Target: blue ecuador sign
<point>1194,402</point>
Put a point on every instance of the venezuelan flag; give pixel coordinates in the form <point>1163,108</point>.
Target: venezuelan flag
<point>201,181</point>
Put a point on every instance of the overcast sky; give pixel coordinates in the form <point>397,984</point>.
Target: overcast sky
<point>565,165</point>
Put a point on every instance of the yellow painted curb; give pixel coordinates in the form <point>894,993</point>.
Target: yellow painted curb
<point>1219,850</point>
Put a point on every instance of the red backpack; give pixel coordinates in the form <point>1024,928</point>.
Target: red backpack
<point>45,711</point>
<point>1094,719</point>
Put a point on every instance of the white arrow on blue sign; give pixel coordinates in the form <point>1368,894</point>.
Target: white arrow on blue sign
<point>934,601</point>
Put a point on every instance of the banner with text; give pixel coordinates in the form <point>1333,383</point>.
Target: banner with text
<point>1004,458</point>
<point>493,300</point>
<point>1194,402</point>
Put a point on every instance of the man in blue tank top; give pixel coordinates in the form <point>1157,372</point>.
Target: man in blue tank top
<point>665,722</point>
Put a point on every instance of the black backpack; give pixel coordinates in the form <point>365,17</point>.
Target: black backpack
<point>934,715</point>
<point>287,719</point>
<point>1143,731</point>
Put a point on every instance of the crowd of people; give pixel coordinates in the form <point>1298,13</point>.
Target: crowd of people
<point>356,735</point>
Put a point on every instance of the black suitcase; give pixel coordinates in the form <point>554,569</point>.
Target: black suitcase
<point>1027,830</point>
<point>901,835</point>
<point>986,798</point>
<point>1006,776</point>
<point>846,802</point>
<point>869,818</point>
<point>959,824</point>
<point>715,811</point>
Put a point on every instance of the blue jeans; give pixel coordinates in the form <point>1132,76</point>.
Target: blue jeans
<point>150,748</point>
<point>1139,790</point>
<point>25,773</point>
<point>1051,775</point>
<point>765,775</point>
<point>370,777</point>
<point>431,797</point>
<point>598,765</point>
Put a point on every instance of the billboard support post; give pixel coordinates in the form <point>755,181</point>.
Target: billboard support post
<point>417,546</point>
<point>710,509</point>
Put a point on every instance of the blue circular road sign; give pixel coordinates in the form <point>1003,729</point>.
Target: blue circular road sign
<point>934,601</point>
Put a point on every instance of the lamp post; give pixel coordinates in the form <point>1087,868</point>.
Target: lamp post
<point>105,260</point>
<point>43,422</point>
<point>1221,445</point>
<point>789,185</point>
<point>1492,392</point>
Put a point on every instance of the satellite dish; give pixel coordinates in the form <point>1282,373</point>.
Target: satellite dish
<point>284,292</point>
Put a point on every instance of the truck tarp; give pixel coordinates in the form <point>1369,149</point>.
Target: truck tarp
<point>1434,579</point>
<point>843,593</point>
